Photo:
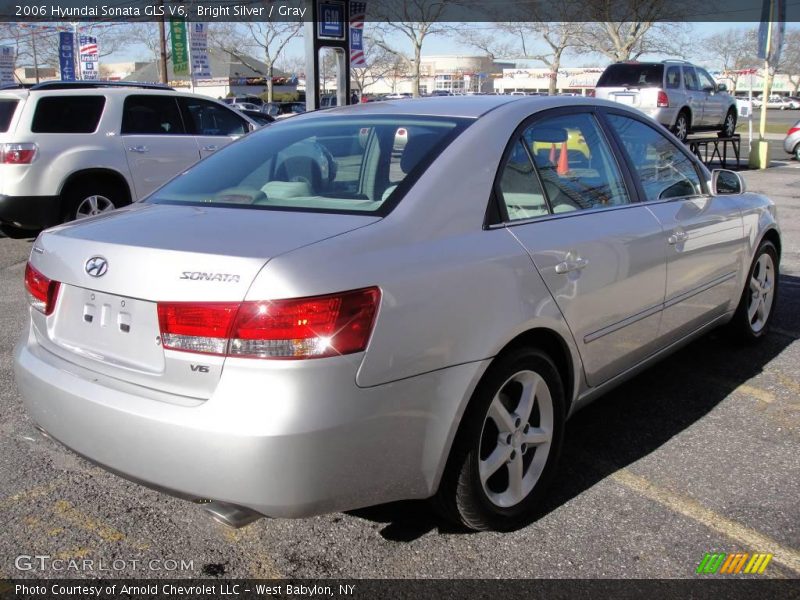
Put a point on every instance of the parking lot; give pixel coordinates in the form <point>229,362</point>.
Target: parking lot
<point>698,454</point>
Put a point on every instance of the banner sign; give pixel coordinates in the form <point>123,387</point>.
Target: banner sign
<point>180,51</point>
<point>358,14</point>
<point>7,56</point>
<point>89,57</point>
<point>66,55</point>
<point>775,11</point>
<point>198,42</point>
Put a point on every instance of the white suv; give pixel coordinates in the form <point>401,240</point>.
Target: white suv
<point>70,150</point>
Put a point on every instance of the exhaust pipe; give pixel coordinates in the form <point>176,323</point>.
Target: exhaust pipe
<point>231,514</point>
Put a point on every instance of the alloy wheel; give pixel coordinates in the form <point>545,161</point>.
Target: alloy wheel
<point>93,205</point>
<point>515,439</point>
<point>762,292</point>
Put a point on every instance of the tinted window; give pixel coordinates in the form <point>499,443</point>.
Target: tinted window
<point>209,118</point>
<point>664,170</point>
<point>519,187</point>
<point>68,114</point>
<point>151,115</point>
<point>690,78</point>
<point>673,78</point>
<point>575,163</point>
<point>7,108</point>
<point>334,164</point>
<point>631,75</point>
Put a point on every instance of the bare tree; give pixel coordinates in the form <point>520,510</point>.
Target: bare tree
<point>790,61</point>
<point>381,64</point>
<point>414,20</point>
<point>734,51</point>
<point>268,40</point>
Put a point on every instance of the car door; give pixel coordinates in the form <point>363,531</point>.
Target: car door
<point>155,141</point>
<point>695,96</point>
<point>213,124</point>
<point>715,105</point>
<point>703,234</point>
<point>600,254</point>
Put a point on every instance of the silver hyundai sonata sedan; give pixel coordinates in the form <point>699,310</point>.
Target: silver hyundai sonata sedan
<point>389,301</point>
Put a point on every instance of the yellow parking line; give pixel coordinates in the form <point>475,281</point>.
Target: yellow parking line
<point>788,382</point>
<point>67,511</point>
<point>744,388</point>
<point>36,492</point>
<point>788,557</point>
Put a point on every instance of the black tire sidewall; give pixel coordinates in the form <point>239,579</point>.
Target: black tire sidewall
<point>740,321</point>
<point>471,499</point>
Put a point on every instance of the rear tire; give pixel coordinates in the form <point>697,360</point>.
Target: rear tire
<point>797,152</point>
<point>507,447</point>
<point>681,127</point>
<point>760,296</point>
<point>729,124</point>
<point>87,199</point>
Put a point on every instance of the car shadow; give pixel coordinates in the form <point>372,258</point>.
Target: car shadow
<point>634,419</point>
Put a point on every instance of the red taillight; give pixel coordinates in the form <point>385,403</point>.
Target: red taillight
<point>793,130</point>
<point>663,100</point>
<point>299,328</point>
<point>17,154</point>
<point>42,292</point>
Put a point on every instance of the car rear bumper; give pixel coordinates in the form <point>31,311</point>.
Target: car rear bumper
<point>284,440</point>
<point>30,212</point>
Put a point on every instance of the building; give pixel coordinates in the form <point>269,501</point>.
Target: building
<point>574,80</point>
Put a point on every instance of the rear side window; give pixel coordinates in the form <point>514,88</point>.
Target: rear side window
<point>690,78</point>
<point>673,78</point>
<point>152,115</point>
<point>68,114</point>
<point>7,108</point>
<point>632,75</point>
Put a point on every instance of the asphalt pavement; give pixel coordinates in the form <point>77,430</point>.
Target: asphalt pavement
<point>701,453</point>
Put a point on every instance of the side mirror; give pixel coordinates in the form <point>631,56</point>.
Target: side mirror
<point>721,87</point>
<point>725,182</point>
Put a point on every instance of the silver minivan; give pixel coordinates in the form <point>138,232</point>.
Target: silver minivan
<point>677,94</point>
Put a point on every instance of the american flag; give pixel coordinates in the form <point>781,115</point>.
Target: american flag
<point>358,11</point>
<point>89,45</point>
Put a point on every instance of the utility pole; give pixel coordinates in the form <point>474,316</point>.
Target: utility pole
<point>759,151</point>
<point>35,58</point>
<point>162,43</point>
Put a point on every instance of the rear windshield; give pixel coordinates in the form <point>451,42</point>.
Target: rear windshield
<point>360,165</point>
<point>632,75</point>
<point>7,108</point>
<point>68,114</point>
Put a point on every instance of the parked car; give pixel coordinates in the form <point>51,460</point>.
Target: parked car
<point>794,102</point>
<point>242,106</point>
<point>281,110</point>
<point>308,321</point>
<point>774,102</point>
<point>792,142</point>
<point>403,96</point>
<point>72,150</point>
<point>679,95</point>
<point>247,98</point>
<point>258,117</point>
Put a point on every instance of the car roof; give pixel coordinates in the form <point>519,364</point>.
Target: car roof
<point>454,106</point>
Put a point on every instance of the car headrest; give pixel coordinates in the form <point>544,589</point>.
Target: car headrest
<point>549,135</point>
<point>416,149</point>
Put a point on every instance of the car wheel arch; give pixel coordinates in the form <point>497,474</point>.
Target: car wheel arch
<point>109,176</point>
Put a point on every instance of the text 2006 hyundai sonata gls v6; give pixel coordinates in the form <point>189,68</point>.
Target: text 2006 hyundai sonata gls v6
<point>388,301</point>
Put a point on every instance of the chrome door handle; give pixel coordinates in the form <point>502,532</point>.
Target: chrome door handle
<point>571,265</point>
<point>210,148</point>
<point>677,237</point>
<point>139,149</point>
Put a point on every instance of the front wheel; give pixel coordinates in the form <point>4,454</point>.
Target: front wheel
<point>757,304</point>
<point>507,448</point>
<point>729,125</point>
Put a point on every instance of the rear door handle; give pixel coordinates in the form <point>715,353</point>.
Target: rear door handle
<point>571,265</point>
<point>139,149</point>
<point>677,237</point>
<point>211,148</point>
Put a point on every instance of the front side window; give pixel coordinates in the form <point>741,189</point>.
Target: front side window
<point>665,171</point>
<point>575,163</point>
<point>520,191</point>
<point>706,82</point>
<point>68,114</point>
<point>209,118</point>
<point>151,115</point>
<point>349,164</point>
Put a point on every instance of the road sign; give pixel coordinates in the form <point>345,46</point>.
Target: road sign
<point>331,22</point>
